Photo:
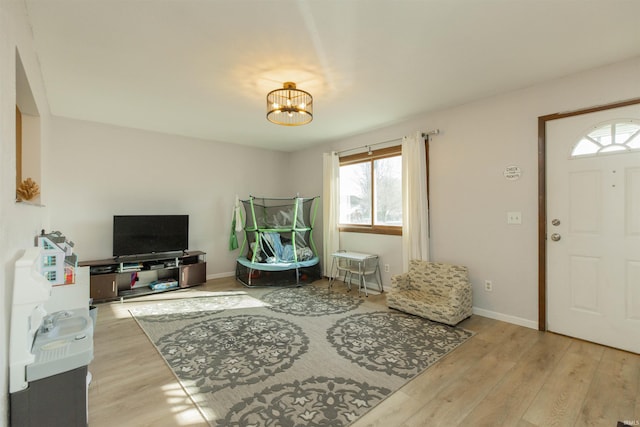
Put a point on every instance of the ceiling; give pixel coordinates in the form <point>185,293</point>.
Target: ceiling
<point>202,68</point>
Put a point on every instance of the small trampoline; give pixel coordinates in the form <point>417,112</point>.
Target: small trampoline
<point>278,248</point>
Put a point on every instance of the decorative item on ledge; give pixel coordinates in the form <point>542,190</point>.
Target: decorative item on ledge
<point>289,106</point>
<point>27,190</point>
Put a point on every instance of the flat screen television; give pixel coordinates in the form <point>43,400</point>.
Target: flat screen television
<point>149,234</point>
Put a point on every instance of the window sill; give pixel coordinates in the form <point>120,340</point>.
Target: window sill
<point>392,231</point>
<point>29,203</point>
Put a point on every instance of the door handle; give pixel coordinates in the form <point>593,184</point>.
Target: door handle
<point>555,237</point>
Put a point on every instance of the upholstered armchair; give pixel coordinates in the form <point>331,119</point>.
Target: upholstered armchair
<point>436,291</point>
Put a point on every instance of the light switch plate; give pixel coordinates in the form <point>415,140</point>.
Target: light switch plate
<point>514,217</point>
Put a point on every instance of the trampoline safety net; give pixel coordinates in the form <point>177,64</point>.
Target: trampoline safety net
<point>278,239</point>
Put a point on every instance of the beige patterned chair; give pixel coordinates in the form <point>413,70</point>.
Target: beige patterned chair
<point>436,291</point>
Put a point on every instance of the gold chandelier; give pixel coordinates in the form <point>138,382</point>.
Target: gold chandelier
<point>289,106</point>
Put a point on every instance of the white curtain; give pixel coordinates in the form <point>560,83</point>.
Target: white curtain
<point>415,213</point>
<point>330,208</point>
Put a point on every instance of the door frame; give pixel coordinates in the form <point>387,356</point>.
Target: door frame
<point>542,198</point>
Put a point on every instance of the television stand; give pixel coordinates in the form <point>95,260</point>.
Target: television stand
<point>125,277</point>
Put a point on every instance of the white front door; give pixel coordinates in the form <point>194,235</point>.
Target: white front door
<point>593,229</point>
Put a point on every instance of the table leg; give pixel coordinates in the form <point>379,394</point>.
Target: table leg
<point>331,275</point>
<point>362,283</point>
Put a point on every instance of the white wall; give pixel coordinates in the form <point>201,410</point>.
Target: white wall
<point>469,197</point>
<point>18,221</point>
<point>31,146</point>
<point>98,171</point>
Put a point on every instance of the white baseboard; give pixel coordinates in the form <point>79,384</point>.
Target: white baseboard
<point>221,275</point>
<point>532,324</point>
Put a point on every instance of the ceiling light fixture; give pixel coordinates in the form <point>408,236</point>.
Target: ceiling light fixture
<point>289,106</point>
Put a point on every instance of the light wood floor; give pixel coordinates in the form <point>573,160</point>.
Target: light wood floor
<point>505,375</point>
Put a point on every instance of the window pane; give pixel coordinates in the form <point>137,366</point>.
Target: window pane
<point>355,194</point>
<point>388,191</point>
<point>625,131</point>
<point>602,135</point>
<point>585,146</point>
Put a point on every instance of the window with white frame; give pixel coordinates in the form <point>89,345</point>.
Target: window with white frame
<point>614,137</point>
<point>371,192</point>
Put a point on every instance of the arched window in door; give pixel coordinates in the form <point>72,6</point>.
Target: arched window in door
<point>610,137</point>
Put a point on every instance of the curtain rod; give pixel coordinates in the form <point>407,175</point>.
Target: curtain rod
<point>368,146</point>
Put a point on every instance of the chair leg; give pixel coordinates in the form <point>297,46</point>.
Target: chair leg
<point>362,284</point>
<point>347,280</point>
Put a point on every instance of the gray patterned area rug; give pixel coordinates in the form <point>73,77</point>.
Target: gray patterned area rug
<point>292,356</point>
